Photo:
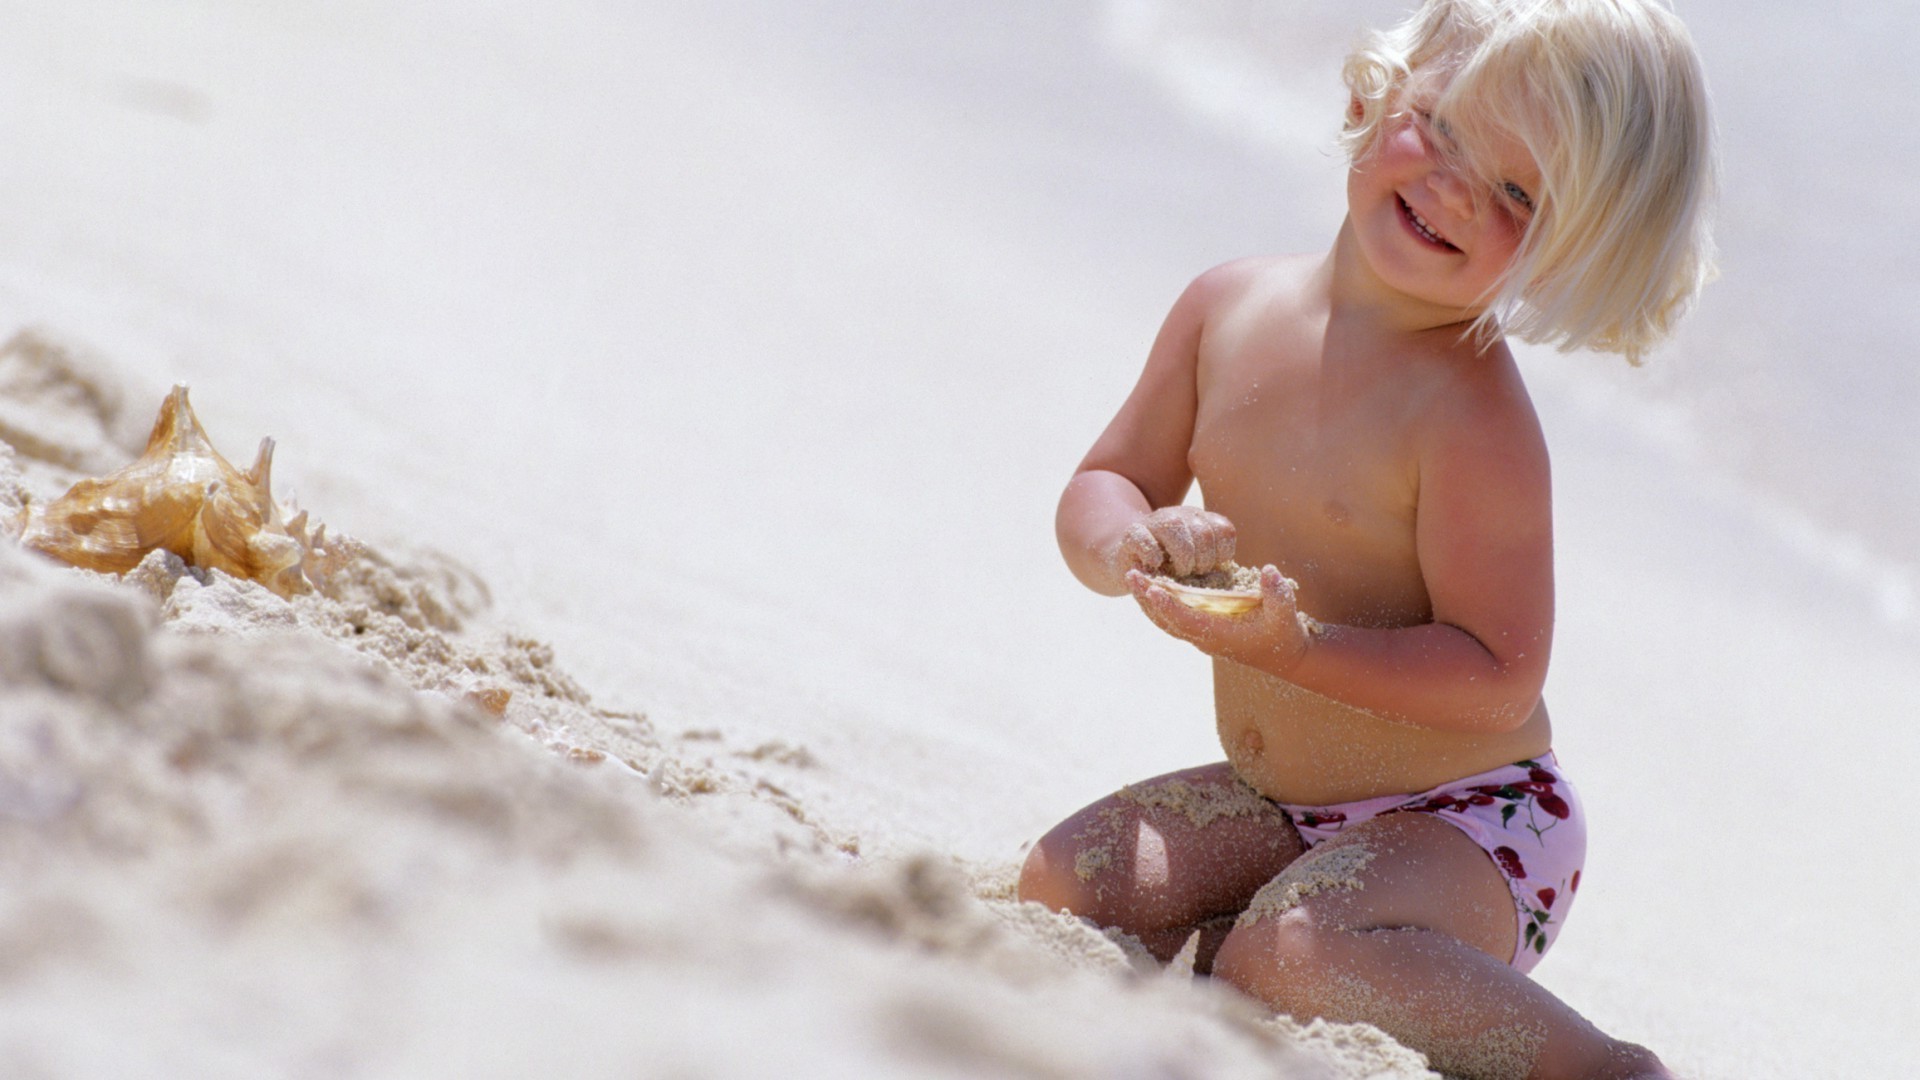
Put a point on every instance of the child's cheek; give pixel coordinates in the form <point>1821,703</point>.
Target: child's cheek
<point>1505,232</point>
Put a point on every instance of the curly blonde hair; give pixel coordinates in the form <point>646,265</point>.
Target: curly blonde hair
<point>1609,98</point>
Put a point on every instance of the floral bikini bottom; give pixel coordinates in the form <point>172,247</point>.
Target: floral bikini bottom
<point>1525,816</point>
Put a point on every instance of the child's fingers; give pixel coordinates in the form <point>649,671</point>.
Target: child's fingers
<point>1138,548</point>
<point>1289,630</point>
<point>1151,596</point>
<point>1224,537</point>
<point>1176,537</point>
<point>1196,540</point>
<point>1279,603</point>
<point>1206,543</point>
<point>1163,610</point>
<point>1276,588</point>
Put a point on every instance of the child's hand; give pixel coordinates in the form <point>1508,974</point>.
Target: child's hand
<point>1177,541</point>
<point>1272,637</point>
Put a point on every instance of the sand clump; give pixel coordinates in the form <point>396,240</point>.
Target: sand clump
<point>1328,867</point>
<point>1091,861</point>
<point>1228,577</point>
<point>124,737</point>
<point>63,405</point>
<point>1200,804</point>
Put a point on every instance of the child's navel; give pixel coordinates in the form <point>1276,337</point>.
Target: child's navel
<point>1337,512</point>
<point>1250,746</point>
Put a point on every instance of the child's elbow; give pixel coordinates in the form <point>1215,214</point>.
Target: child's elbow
<point>1503,694</point>
<point>1514,701</point>
<point>1508,716</point>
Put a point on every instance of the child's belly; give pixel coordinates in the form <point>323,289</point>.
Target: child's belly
<point>1295,746</point>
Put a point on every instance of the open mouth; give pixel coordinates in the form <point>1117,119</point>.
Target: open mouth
<point>1420,227</point>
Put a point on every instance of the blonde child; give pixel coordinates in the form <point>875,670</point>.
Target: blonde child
<point>1390,839</point>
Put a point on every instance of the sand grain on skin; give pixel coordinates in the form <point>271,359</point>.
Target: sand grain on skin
<point>1325,868</point>
<point>1201,804</point>
<point>1436,1021</point>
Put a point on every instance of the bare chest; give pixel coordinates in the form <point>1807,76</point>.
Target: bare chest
<point>1318,475</point>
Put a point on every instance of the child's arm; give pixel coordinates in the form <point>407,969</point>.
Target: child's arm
<point>1484,538</point>
<point>1122,510</point>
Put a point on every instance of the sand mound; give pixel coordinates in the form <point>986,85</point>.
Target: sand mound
<point>373,833</point>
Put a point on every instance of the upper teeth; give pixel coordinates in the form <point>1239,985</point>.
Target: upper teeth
<point>1424,227</point>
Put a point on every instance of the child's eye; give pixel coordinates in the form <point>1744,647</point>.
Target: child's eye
<point>1518,195</point>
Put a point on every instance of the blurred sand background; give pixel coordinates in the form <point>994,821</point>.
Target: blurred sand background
<point>714,368</point>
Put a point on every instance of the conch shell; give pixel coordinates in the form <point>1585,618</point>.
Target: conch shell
<point>182,496</point>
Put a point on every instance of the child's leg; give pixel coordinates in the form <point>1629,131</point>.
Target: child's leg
<point>1404,923</point>
<point>1163,858</point>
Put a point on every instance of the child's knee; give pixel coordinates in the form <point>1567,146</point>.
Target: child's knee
<point>1269,957</point>
<point>1083,870</point>
<point>1044,880</point>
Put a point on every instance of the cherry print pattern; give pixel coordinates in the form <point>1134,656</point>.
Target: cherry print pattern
<point>1527,805</point>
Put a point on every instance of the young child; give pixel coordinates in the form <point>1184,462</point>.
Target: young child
<point>1390,839</point>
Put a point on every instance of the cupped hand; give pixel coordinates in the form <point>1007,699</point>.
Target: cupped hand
<point>1178,541</point>
<point>1272,637</point>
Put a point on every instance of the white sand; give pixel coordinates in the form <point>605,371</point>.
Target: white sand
<point>620,336</point>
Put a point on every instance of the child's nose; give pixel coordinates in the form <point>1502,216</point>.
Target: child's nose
<point>1452,191</point>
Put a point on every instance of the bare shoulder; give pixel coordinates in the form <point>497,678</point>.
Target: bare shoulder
<point>1483,407</point>
<point>1253,281</point>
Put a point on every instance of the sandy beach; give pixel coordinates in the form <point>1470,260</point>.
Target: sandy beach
<point>699,381</point>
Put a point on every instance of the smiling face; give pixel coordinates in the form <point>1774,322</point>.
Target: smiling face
<point>1428,226</point>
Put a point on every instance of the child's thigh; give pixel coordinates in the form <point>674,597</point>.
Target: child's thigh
<point>1171,851</point>
<point>1396,872</point>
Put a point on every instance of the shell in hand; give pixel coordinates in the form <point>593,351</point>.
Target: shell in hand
<point>181,495</point>
<point>1229,590</point>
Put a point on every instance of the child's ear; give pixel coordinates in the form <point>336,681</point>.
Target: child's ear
<point>1355,110</point>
